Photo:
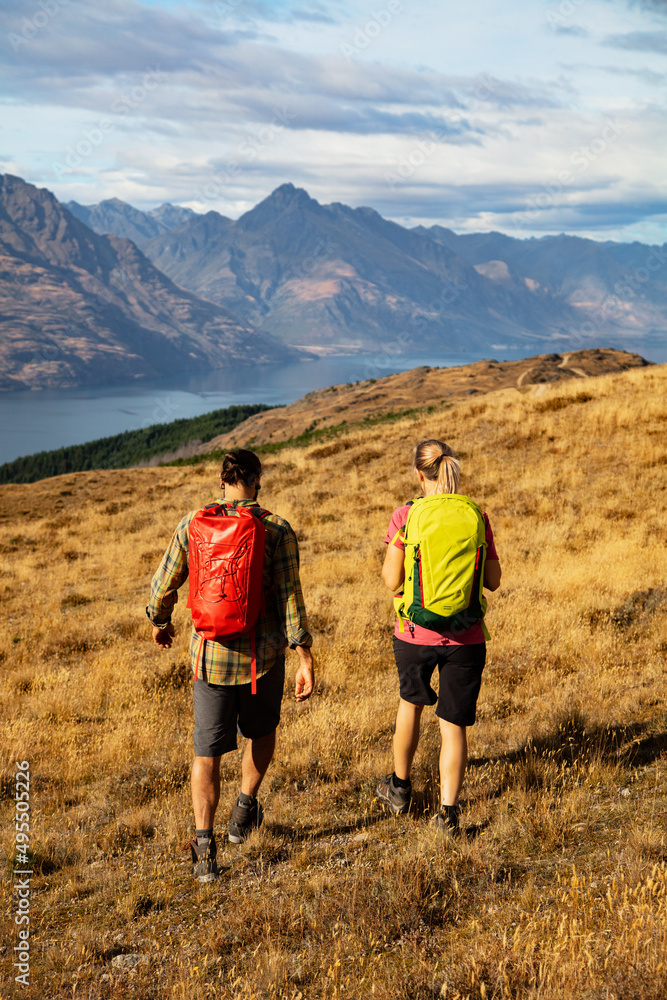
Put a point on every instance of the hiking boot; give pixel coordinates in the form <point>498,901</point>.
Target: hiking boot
<point>447,820</point>
<point>398,799</point>
<point>247,815</point>
<point>204,864</point>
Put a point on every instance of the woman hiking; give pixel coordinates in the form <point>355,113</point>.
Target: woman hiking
<point>452,644</point>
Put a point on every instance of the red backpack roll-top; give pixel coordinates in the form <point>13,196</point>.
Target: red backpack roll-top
<point>226,564</point>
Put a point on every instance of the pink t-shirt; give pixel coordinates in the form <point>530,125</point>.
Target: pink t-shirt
<point>425,636</point>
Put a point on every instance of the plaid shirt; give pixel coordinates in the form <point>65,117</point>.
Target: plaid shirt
<point>283,623</point>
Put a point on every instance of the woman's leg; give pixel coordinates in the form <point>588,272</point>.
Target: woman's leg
<point>406,737</point>
<point>453,760</point>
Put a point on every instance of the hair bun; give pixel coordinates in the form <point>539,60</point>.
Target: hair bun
<point>240,466</point>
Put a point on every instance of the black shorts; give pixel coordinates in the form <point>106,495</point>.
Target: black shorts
<point>460,670</point>
<point>223,709</point>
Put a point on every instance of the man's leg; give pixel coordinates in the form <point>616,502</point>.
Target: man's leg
<point>247,813</point>
<point>406,737</point>
<point>254,764</point>
<point>453,760</point>
<point>205,785</point>
<point>258,713</point>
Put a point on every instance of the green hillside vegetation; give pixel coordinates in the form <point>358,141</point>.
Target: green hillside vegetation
<point>121,451</point>
<point>311,435</point>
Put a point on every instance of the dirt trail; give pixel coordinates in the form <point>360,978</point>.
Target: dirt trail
<point>565,364</point>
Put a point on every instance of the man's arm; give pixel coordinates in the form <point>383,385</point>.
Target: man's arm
<point>169,576</point>
<point>291,608</point>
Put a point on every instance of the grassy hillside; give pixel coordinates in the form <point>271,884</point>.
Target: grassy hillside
<point>120,451</point>
<point>559,889</point>
<point>381,397</point>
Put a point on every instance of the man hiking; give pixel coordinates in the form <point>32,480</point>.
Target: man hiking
<point>243,564</point>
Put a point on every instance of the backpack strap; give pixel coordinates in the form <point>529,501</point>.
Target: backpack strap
<point>224,507</point>
<point>253,662</point>
<point>217,508</point>
<point>259,512</point>
<point>398,599</point>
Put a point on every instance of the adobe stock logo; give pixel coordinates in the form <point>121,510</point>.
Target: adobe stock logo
<point>30,26</point>
<point>424,148</point>
<point>247,150</point>
<point>377,21</point>
<point>92,138</point>
<point>581,158</point>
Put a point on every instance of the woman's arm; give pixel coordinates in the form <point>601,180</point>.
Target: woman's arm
<point>393,569</point>
<point>492,574</point>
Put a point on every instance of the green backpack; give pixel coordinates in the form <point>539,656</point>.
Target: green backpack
<point>445,550</point>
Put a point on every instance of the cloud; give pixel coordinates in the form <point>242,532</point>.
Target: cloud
<point>575,30</point>
<point>256,92</point>
<point>503,208</point>
<point>645,75</point>
<point>658,5</point>
<point>639,41</point>
<point>87,54</point>
<point>82,42</point>
<point>258,11</point>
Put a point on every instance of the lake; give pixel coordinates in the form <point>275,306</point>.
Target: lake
<point>52,418</point>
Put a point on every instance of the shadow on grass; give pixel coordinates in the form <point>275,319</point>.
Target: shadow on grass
<point>574,743</point>
<point>420,809</point>
<point>632,745</point>
<point>312,832</point>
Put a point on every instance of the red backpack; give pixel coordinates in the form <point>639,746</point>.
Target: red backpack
<point>226,563</point>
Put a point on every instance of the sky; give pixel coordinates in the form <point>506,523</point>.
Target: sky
<point>527,116</point>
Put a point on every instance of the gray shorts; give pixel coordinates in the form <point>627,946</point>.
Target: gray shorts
<point>223,709</point>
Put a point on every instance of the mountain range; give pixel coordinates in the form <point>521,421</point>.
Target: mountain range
<point>115,216</point>
<point>95,293</point>
<point>331,275</point>
<point>80,308</point>
<point>621,286</point>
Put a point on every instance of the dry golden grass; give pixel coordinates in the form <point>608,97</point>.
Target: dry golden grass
<point>559,889</point>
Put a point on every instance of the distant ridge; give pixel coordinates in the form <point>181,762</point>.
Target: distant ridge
<point>322,275</point>
<point>117,218</point>
<point>82,307</point>
<point>79,308</point>
<point>334,276</point>
<point>327,410</point>
<point>418,388</point>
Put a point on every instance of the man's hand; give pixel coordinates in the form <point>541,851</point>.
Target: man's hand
<point>305,674</point>
<point>163,637</point>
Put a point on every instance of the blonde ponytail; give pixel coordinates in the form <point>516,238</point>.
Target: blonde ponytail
<point>449,474</point>
<point>436,461</point>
